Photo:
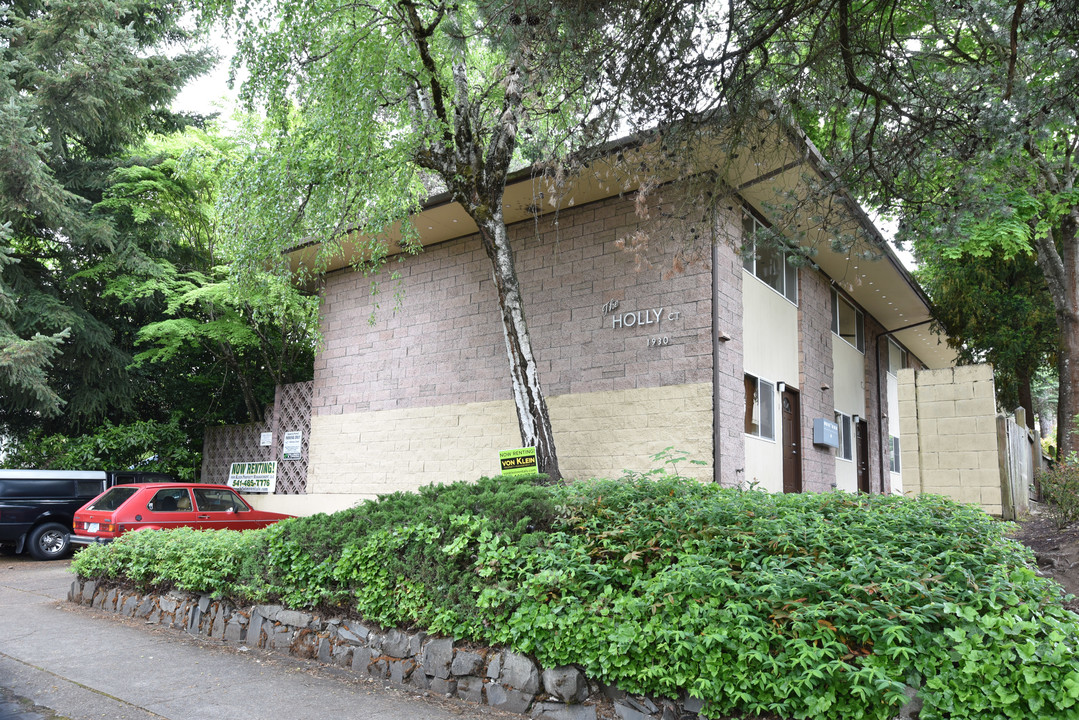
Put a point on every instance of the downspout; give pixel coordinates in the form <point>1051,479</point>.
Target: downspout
<point>880,403</point>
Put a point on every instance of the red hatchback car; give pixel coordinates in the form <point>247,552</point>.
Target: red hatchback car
<point>160,506</point>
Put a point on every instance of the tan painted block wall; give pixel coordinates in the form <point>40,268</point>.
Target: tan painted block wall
<point>948,434</point>
<point>365,454</point>
<point>303,505</point>
<point>601,434</point>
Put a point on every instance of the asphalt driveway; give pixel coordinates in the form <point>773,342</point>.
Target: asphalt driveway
<point>62,660</point>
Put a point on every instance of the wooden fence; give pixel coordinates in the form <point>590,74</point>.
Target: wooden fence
<point>1020,458</point>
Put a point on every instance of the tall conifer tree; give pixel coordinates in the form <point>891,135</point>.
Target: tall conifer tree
<point>81,80</point>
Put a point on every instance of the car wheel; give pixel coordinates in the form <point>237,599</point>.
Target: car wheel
<point>50,541</point>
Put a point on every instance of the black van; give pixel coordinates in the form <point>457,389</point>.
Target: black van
<point>36,506</point>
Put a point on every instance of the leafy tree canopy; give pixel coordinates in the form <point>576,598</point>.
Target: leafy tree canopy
<point>241,340</point>
<point>147,445</point>
<point>197,351</point>
<point>997,310</point>
<point>81,80</point>
<point>374,103</point>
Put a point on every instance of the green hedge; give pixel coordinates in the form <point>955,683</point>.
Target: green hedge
<point>795,605</point>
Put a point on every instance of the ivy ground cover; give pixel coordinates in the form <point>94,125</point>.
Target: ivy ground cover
<point>797,606</point>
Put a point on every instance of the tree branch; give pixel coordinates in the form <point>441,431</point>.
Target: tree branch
<point>420,34</point>
<point>504,138</point>
<point>1014,56</point>
<point>462,111</point>
<point>1056,277</point>
<point>1043,165</point>
<point>846,51</point>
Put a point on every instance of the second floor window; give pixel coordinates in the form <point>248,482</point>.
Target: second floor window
<point>848,321</point>
<point>898,358</point>
<point>768,262</point>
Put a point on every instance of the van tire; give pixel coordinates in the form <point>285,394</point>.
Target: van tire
<point>50,541</point>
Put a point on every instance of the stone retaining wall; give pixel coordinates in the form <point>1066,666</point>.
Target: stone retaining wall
<point>414,660</point>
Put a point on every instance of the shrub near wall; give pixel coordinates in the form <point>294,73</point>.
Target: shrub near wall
<point>1060,486</point>
<point>793,605</point>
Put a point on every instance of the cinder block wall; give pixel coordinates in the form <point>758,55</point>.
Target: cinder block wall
<point>728,387</point>
<point>880,480</point>
<point>948,434</point>
<point>816,377</point>
<point>422,394</point>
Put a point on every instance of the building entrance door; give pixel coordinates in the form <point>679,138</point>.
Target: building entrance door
<point>792,442</point>
<point>861,446</point>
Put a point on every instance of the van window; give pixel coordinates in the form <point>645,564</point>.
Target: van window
<point>33,489</point>
<point>113,499</point>
<point>89,488</point>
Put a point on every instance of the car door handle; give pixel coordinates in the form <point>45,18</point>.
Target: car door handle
<point>203,517</point>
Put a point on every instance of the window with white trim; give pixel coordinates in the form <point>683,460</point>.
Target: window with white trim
<point>848,321</point>
<point>760,408</point>
<point>767,262</point>
<point>845,451</point>
<point>898,358</point>
<point>893,443</point>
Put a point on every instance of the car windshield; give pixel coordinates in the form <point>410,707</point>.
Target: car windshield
<point>113,499</point>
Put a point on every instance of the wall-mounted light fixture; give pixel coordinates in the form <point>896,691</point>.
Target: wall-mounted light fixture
<point>781,386</point>
<point>857,419</point>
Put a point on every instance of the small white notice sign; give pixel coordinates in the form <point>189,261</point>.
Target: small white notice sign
<point>292,447</point>
<point>266,439</point>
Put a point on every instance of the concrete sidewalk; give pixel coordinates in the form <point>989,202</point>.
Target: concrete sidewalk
<point>83,665</point>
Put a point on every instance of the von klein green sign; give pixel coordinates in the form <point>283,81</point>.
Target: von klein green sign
<point>520,461</point>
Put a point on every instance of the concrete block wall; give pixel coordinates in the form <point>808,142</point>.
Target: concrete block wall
<point>728,378</point>
<point>880,479</point>
<point>602,434</point>
<point>443,343</point>
<point>816,373</point>
<point>381,451</point>
<point>949,434</point>
<point>426,384</point>
<point>598,435</point>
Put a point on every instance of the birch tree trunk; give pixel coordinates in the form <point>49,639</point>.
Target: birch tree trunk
<point>474,164</point>
<point>532,415</point>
